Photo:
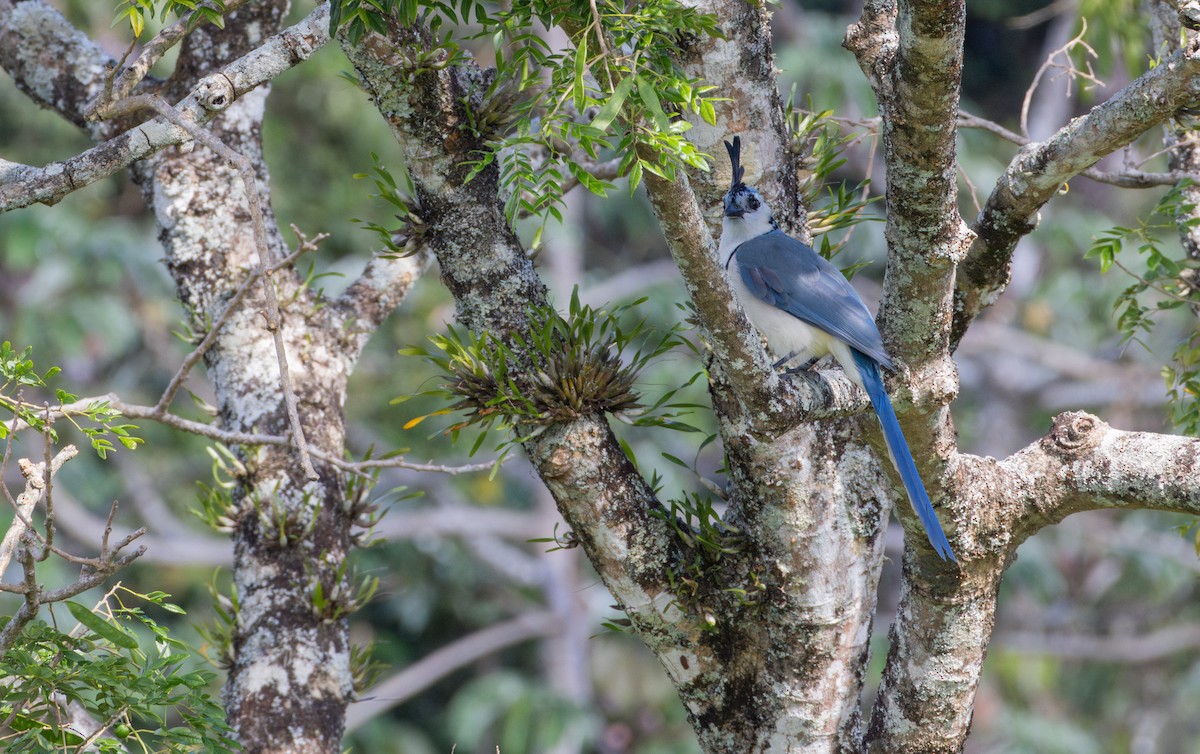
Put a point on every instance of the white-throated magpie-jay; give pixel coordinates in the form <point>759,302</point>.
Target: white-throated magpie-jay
<point>806,308</point>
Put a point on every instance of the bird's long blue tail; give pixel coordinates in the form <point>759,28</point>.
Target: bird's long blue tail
<point>872,381</point>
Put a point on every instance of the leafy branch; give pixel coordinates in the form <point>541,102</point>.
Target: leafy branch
<point>550,116</point>
<point>1166,283</point>
<point>137,11</point>
<point>819,141</point>
<point>120,668</point>
<point>17,372</point>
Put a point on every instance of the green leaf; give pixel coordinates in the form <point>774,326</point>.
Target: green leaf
<point>674,460</point>
<point>101,627</point>
<point>612,107</point>
<point>635,176</point>
<point>649,98</point>
<point>580,70</point>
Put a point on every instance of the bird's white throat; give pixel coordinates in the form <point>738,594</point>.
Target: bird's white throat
<point>737,230</point>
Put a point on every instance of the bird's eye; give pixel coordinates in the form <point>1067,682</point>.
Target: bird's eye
<point>753,203</point>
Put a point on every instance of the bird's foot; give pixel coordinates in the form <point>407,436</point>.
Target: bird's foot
<point>803,367</point>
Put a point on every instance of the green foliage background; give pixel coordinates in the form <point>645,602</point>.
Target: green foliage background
<point>83,285</point>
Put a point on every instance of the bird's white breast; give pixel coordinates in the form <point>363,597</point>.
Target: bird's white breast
<point>785,333</point>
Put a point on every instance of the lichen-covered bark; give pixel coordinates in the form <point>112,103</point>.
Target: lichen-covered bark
<point>32,33</point>
<point>767,644</point>
<point>1181,139</point>
<point>598,491</point>
<point>811,507</point>
<point>912,54</point>
<point>290,681</point>
<point>742,67</point>
<point>126,139</point>
<point>735,665</point>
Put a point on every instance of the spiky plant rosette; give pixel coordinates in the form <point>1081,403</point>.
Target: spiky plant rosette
<point>565,368</point>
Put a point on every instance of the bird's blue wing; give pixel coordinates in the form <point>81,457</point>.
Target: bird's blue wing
<point>789,275</point>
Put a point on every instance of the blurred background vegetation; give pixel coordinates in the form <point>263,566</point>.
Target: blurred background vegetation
<point>1096,640</point>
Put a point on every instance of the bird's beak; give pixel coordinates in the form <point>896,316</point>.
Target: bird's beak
<point>732,209</point>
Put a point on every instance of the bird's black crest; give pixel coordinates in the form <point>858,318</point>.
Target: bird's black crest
<point>735,159</point>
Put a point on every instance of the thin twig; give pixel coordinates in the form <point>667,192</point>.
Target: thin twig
<point>966,178</point>
<point>99,730</point>
<point>48,485</point>
<point>227,437</point>
<point>1123,179</point>
<point>399,463</point>
<point>35,486</point>
<point>123,80</point>
<point>1153,286</point>
<point>210,337</point>
<point>23,185</point>
<point>605,171</point>
<point>1041,15</point>
<point>1069,69</point>
<point>35,597</point>
<point>23,527</point>
<point>273,314</point>
<point>28,608</point>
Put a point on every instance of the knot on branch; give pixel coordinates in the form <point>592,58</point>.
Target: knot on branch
<point>215,93</point>
<point>1073,433</point>
<point>559,464</point>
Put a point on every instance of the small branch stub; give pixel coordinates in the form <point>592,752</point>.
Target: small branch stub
<point>1074,433</point>
<point>215,93</point>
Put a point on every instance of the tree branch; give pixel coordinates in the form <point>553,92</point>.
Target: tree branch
<point>193,358</point>
<point>50,60</point>
<point>96,570</point>
<point>1127,178</point>
<point>161,415</point>
<point>1084,464</point>
<point>211,96</point>
<point>35,489</point>
<point>378,290</point>
<point>121,85</point>
<point>912,56</point>
<point>266,262</point>
<point>598,490</point>
<point>1040,169</point>
<point>742,63</point>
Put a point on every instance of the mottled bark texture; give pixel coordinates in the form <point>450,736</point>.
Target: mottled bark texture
<point>1180,137</point>
<point>127,140</point>
<point>768,643</point>
<point>745,61</point>
<point>782,668</point>
<point>290,662</point>
<point>290,681</point>
<point>940,276</point>
<point>600,494</point>
<point>912,55</point>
